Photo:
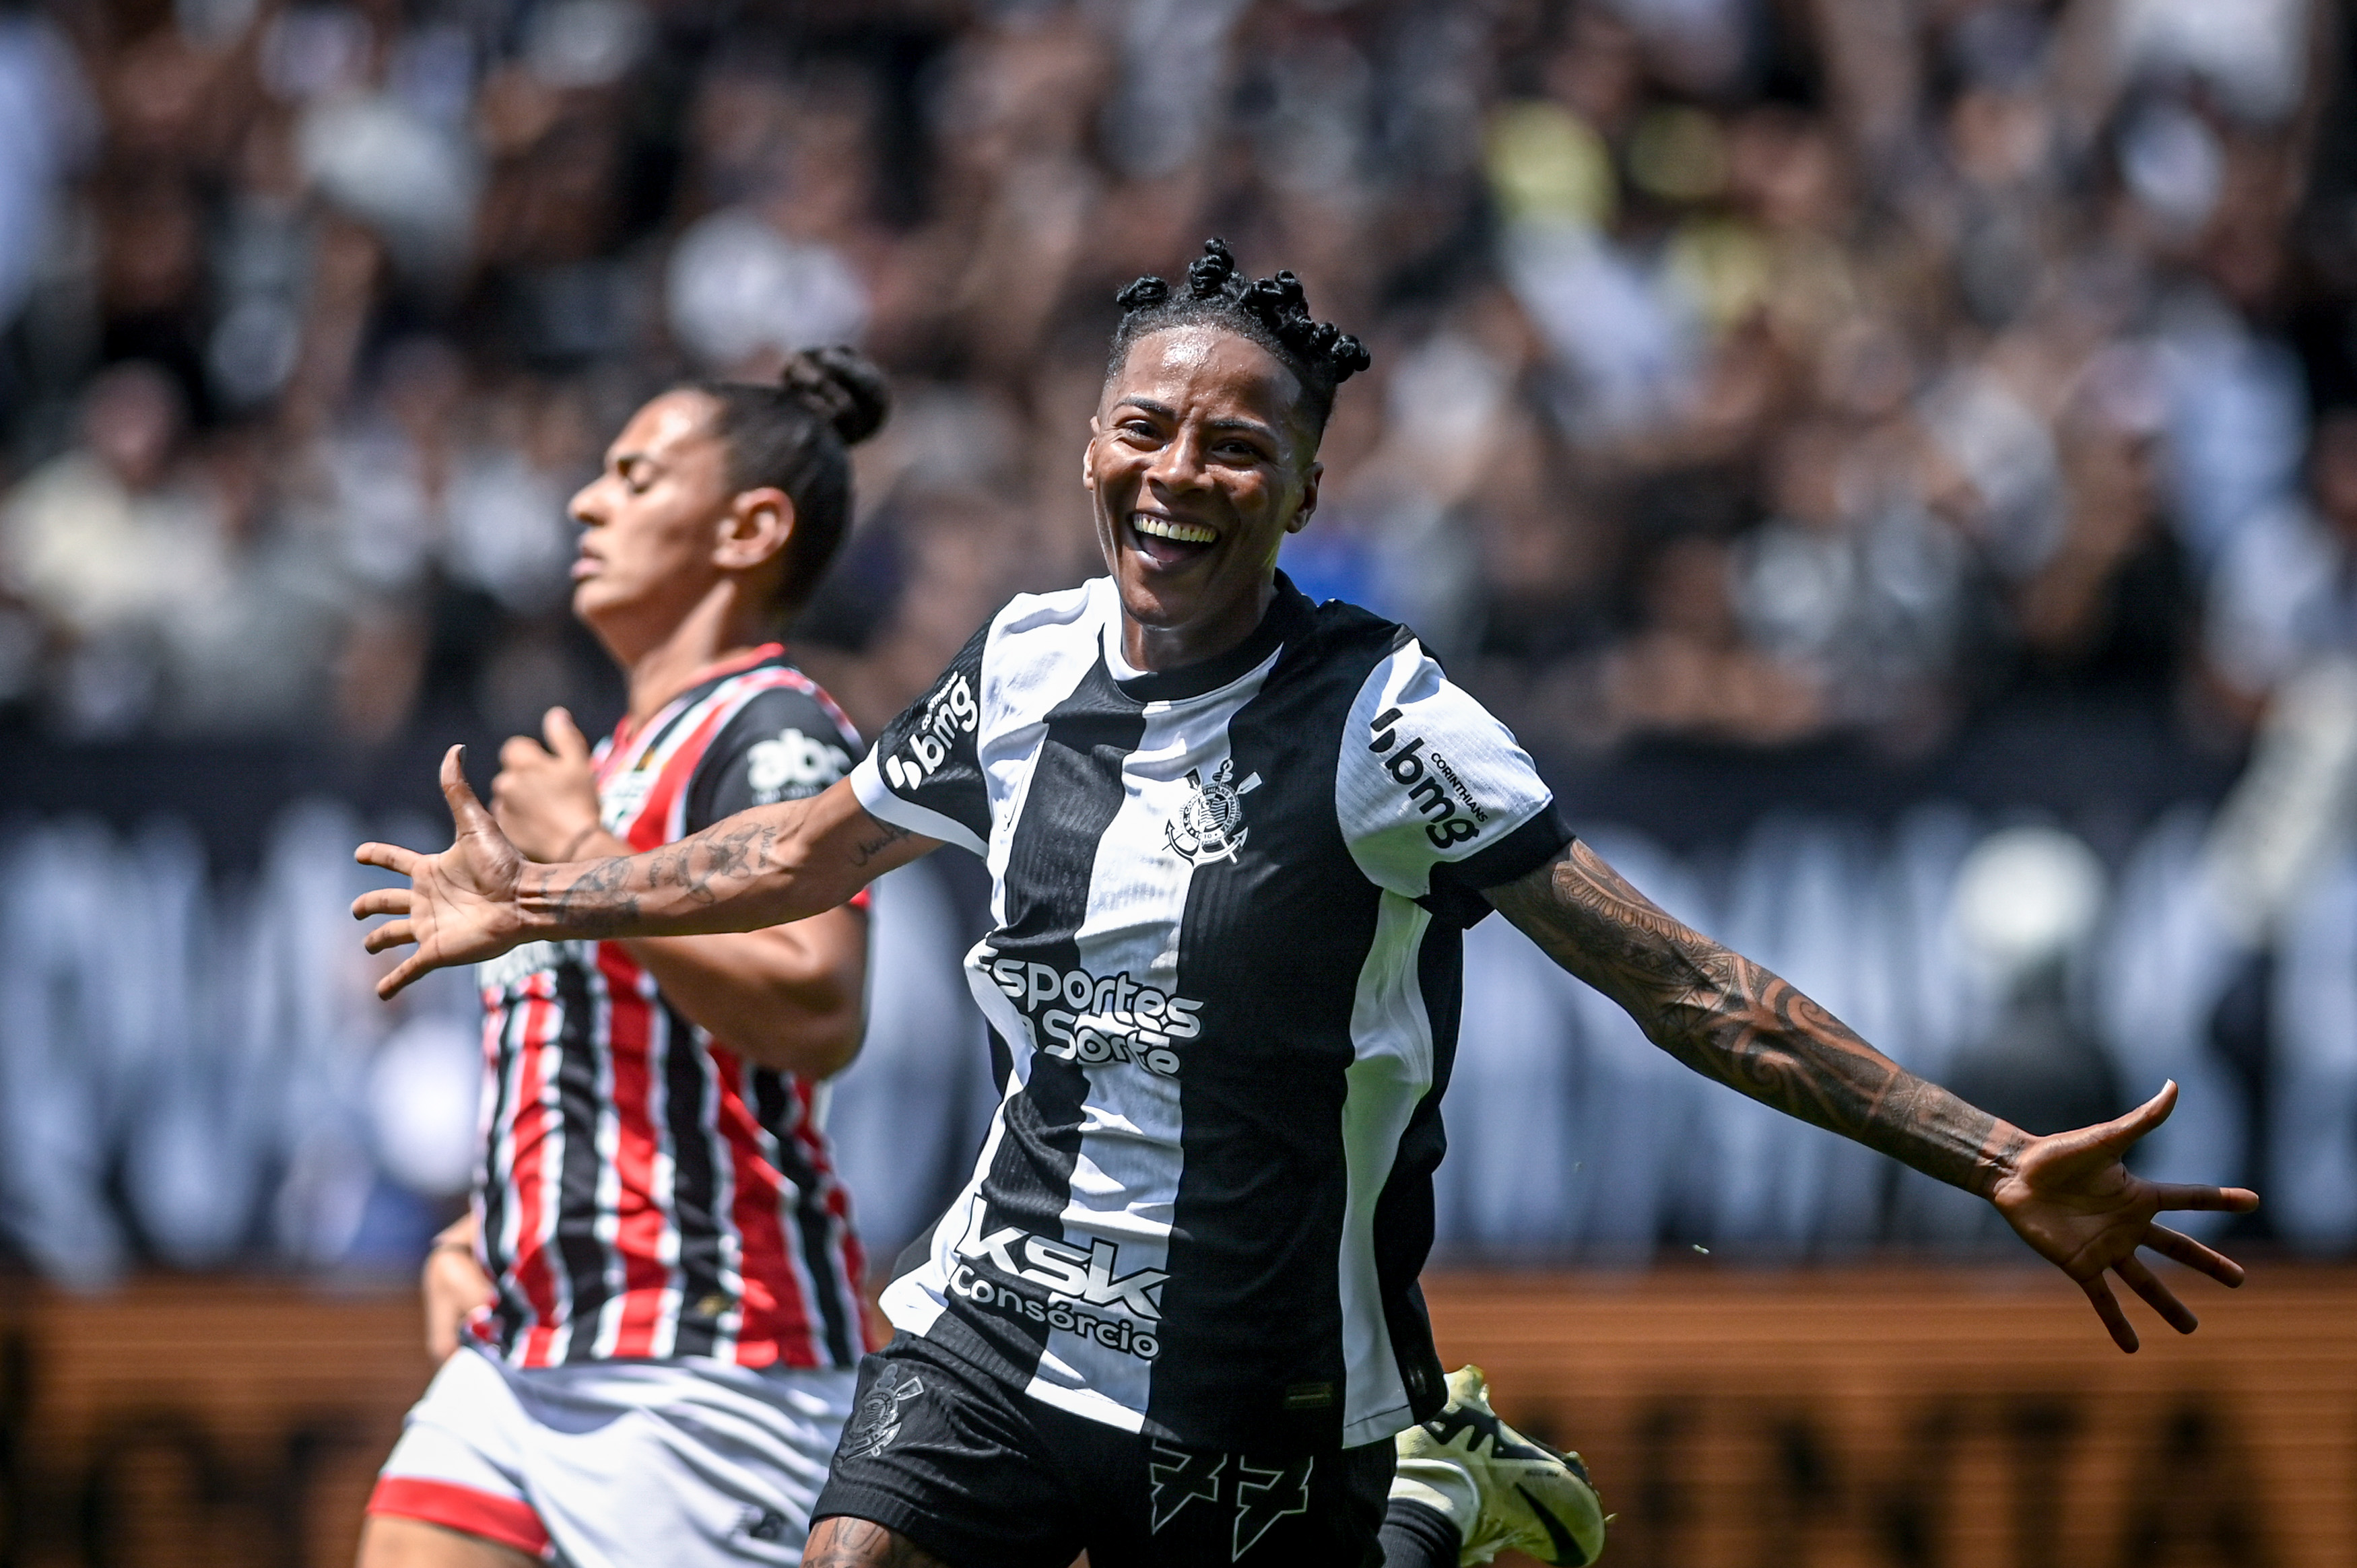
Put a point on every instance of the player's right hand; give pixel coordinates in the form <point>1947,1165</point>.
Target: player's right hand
<point>459,906</point>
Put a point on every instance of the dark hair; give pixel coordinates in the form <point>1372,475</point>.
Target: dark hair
<point>1272,312</point>
<point>796,436</point>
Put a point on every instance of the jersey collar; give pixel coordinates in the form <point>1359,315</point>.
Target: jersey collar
<point>1289,614</point>
<point>697,685</point>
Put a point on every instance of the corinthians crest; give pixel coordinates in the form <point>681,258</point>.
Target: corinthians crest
<point>1210,824</point>
<point>877,1419</point>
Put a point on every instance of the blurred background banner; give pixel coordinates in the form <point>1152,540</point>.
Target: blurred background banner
<point>1846,1418</point>
<point>1893,462</point>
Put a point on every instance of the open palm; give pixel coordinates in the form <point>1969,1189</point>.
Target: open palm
<point>460,905</point>
<point>2071,1199</point>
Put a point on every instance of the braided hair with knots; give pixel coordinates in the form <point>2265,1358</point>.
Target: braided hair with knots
<point>1272,312</point>
<point>795,435</point>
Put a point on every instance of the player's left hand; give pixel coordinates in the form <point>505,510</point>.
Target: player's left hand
<point>2083,1211</point>
<point>453,1287</point>
<point>546,797</point>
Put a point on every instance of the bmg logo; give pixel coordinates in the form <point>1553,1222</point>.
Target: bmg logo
<point>1433,787</point>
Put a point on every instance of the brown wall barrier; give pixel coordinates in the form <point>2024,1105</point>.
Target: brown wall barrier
<point>1853,1419</point>
<point>1949,1419</point>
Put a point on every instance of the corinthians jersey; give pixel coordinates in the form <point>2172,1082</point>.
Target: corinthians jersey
<point>1223,983</point>
<point>646,1192</point>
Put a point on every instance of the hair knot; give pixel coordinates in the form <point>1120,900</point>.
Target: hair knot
<point>1348,356</point>
<point>1272,312</point>
<point>1208,273</point>
<point>1143,294</point>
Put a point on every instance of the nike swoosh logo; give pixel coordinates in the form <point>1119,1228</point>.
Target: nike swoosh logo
<point>1566,1545</point>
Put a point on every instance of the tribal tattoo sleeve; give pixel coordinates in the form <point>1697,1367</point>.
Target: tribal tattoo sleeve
<point>1731,1019</point>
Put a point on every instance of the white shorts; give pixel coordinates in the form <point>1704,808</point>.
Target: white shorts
<point>620,1463</point>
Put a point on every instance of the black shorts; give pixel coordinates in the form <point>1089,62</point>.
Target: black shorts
<point>982,1475</point>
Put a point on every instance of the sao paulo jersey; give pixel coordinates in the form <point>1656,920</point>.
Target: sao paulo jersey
<point>645,1192</point>
<point>1223,984</point>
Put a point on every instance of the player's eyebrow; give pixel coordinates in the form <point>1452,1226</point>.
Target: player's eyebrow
<point>1248,427</point>
<point>621,461</point>
<point>1163,410</point>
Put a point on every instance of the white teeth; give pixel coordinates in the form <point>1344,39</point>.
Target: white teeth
<point>1184,533</point>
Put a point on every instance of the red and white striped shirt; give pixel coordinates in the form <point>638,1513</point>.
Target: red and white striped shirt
<point>645,1192</point>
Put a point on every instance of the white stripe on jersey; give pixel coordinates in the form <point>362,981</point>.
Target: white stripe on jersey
<point>1392,1039</point>
<point>608,1224</point>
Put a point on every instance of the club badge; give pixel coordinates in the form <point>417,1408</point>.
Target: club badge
<point>1210,825</point>
<point>878,1420</point>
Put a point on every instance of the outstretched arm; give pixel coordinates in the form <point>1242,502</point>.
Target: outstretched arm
<point>786,996</point>
<point>479,898</point>
<point>1728,1018</point>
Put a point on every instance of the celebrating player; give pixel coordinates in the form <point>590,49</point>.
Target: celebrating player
<point>660,1263</point>
<point>1234,835</point>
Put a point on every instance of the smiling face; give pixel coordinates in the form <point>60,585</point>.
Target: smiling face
<point>662,528</point>
<point>1200,463</point>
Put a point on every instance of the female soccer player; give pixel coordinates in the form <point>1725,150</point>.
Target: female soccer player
<point>660,1263</point>
<point>1173,1317</point>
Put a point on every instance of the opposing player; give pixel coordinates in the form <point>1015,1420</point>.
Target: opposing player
<point>664,1284</point>
<point>1173,1316</point>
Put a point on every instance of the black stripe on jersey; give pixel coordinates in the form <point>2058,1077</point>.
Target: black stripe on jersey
<point>778,1111</point>
<point>582,1255</point>
<point>691,1097</point>
<point>1403,1213</point>
<point>1075,792</point>
<point>1250,1313</point>
<point>494,1188</point>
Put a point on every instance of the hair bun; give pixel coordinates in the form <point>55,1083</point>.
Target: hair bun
<point>842,386</point>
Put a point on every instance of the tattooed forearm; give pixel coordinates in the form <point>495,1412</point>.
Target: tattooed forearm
<point>845,1542</point>
<point>703,865</point>
<point>885,835</point>
<point>1733,1020</point>
<point>732,862</point>
<point>595,902</point>
<point>760,867</point>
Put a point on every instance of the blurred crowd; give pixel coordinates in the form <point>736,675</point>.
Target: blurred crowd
<point>1753,380</point>
<point>1753,371</point>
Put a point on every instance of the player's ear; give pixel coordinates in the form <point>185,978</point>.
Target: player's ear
<point>1089,456</point>
<point>758,525</point>
<point>1300,519</point>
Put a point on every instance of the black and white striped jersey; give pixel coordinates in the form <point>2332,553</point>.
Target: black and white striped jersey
<point>1224,981</point>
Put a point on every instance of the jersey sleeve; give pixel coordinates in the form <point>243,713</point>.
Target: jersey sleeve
<point>782,745</point>
<point>924,772</point>
<point>1436,798</point>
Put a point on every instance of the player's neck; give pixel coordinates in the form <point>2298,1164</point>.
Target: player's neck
<point>716,629</point>
<point>1165,648</point>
